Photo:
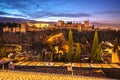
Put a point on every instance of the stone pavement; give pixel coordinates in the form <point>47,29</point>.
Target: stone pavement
<point>82,65</point>
<point>21,75</point>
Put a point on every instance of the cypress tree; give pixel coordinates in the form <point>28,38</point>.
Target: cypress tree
<point>95,42</point>
<point>97,55</point>
<point>115,44</point>
<point>78,53</point>
<point>39,57</point>
<point>94,46</point>
<point>2,49</point>
<point>70,45</point>
<point>115,54</point>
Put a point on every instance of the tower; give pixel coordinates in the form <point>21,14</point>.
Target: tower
<point>23,28</point>
<point>79,27</point>
<point>60,23</point>
<point>86,23</point>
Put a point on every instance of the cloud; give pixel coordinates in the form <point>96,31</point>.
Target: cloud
<point>109,12</point>
<point>33,9</point>
<point>36,9</point>
<point>8,14</point>
<point>72,15</point>
<point>42,14</point>
<point>18,15</point>
<point>3,13</point>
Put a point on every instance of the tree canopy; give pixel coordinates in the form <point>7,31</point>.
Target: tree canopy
<point>78,53</point>
<point>70,44</point>
<point>96,56</point>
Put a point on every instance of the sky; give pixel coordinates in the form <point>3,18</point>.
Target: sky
<point>103,11</point>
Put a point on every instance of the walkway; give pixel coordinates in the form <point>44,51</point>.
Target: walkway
<point>82,65</point>
<point>20,75</point>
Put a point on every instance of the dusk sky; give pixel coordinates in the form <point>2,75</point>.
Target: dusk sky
<point>104,11</point>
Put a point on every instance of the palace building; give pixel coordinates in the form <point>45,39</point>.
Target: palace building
<point>37,26</point>
<point>78,26</point>
<point>21,28</point>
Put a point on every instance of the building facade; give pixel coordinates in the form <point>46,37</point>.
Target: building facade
<point>38,26</point>
<point>71,25</point>
<point>22,28</point>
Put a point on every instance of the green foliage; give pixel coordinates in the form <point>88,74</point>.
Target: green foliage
<point>2,49</point>
<point>39,57</point>
<point>115,44</point>
<point>17,49</point>
<point>97,56</point>
<point>70,44</point>
<point>51,57</point>
<point>59,57</point>
<point>95,42</point>
<point>2,52</point>
<point>78,53</point>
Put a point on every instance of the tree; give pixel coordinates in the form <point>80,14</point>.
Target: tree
<point>51,56</point>
<point>2,49</point>
<point>115,44</point>
<point>115,55</point>
<point>78,53</point>
<point>2,52</point>
<point>97,56</point>
<point>95,42</point>
<point>59,57</point>
<point>39,57</point>
<point>70,45</point>
<point>96,49</point>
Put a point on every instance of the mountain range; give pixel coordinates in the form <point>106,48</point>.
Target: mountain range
<point>19,20</point>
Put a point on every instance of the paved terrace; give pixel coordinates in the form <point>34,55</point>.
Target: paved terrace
<point>82,65</point>
<point>94,71</point>
<point>79,69</point>
<point>21,75</point>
